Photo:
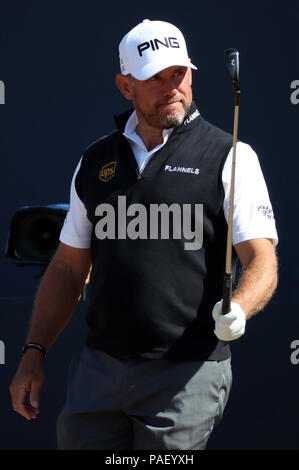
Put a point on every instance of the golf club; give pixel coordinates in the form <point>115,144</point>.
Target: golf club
<point>231,57</point>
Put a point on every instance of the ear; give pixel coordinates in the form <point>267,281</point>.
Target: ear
<point>124,85</point>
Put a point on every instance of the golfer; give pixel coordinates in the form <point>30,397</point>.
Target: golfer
<point>148,215</point>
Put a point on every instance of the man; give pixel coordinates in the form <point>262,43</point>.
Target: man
<point>155,372</point>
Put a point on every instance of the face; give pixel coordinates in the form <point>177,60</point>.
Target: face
<point>163,100</point>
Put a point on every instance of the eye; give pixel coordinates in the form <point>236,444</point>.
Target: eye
<point>154,78</point>
<point>180,72</point>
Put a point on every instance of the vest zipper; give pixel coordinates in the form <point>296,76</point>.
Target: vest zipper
<point>145,163</point>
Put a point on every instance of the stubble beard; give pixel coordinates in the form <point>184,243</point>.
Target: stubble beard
<point>166,121</point>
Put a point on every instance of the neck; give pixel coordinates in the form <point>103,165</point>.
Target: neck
<point>150,136</point>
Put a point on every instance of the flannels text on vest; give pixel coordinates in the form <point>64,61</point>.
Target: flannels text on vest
<point>154,44</point>
<point>192,117</point>
<point>182,169</point>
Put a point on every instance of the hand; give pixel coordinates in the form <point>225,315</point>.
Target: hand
<point>230,326</point>
<point>28,379</point>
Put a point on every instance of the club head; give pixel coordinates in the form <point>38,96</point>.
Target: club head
<point>231,57</point>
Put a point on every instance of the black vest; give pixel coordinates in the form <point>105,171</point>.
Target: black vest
<point>151,297</point>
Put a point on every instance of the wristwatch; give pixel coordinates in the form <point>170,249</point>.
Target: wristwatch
<point>38,346</point>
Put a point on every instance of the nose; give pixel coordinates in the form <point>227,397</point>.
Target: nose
<point>170,87</point>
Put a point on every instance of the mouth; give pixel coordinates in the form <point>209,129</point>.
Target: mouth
<point>170,104</point>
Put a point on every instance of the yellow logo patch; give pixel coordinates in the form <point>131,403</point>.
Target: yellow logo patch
<point>107,171</point>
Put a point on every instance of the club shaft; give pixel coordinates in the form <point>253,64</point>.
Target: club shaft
<point>227,284</point>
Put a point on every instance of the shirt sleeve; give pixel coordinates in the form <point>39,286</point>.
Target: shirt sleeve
<point>77,228</point>
<point>253,215</point>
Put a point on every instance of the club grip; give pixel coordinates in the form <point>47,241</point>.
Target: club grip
<point>226,293</point>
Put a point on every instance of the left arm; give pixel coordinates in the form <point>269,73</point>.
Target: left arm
<point>256,287</point>
<point>253,231</point>
<point>259,279</point>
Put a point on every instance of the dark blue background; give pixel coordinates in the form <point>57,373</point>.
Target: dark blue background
<point>58,62</point>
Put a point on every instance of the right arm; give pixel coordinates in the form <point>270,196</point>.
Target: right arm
<point>56,300</point>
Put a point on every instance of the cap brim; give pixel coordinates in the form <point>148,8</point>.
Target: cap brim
<point>149,70</point>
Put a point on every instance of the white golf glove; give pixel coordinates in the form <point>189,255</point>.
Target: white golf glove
<point>230,326</point>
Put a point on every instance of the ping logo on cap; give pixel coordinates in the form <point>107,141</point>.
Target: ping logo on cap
<point>154,44</point>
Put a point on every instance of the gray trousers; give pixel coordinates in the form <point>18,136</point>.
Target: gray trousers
<point>115,404</point>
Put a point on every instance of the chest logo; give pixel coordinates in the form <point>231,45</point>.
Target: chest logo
<point>107,171</point>
<point>182,169</point>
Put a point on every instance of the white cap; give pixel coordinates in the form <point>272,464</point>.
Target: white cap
<point>150,47</point>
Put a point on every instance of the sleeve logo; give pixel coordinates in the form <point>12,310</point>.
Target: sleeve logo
<point>266,210</point>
